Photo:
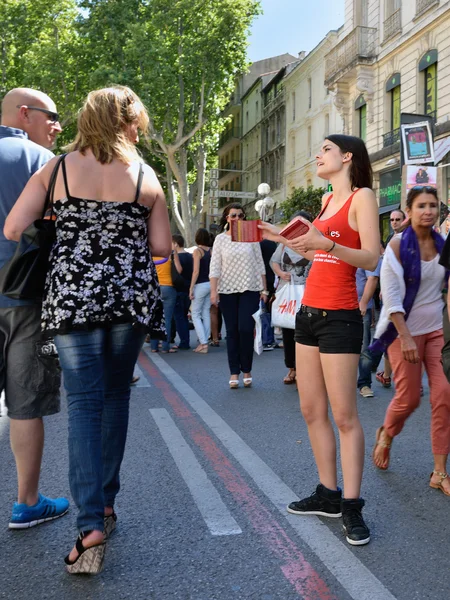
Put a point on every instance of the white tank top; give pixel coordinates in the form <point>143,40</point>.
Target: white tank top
<point>426,313</point>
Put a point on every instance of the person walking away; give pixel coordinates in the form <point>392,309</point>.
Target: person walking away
<point>329,328</point>
<point>29,378</point>
<point>184,264</point>
<point>238,280</point>
<point>169,299</point>
<point>366,284</point>
<point>101,295</point>
<point>200,290</point>
<point>268,335</point>
<point>291,268</point>
<point>410,328</point>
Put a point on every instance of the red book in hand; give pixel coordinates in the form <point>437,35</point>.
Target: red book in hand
<point>246,231</point>
<point>294,229</point>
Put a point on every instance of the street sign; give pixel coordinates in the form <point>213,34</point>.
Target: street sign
<point>230,194</point>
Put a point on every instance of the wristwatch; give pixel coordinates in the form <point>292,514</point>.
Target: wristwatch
<point>265,293</point>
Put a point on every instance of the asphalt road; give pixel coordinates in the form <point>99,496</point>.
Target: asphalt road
<point>205,480</point>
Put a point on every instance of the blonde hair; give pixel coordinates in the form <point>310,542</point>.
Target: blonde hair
<point>103,122</point>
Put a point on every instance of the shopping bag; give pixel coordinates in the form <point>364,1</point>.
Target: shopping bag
<point>286,305</point>
<point>257,344</point>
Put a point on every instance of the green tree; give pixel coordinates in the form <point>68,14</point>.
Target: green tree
<point>39,46</point>
<point>309,199</point>
<point>182,58</point>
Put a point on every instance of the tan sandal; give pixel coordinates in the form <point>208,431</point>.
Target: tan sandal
<point>439,486</point>
<point>387,449</point>
<point>290,377</point>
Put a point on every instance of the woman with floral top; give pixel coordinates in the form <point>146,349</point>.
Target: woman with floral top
<point>101,295</point>
<point>238,280</point>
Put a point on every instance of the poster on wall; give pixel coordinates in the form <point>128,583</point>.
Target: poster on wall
<point>417,143</point>
<point>417,175</point>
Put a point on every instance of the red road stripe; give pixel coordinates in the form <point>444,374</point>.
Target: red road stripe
<point>296,568</point>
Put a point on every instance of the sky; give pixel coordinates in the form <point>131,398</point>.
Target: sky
<point>292,26</point>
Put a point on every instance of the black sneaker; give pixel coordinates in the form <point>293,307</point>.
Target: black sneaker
<point>324,503</point>
<point>356,531</point>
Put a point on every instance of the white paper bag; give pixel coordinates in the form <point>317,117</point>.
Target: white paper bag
<point>257,344</point>
<point>286,305</point>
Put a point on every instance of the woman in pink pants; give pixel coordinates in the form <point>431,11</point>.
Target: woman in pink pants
<point>410,326</point>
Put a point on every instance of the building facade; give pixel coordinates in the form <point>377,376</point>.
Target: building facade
<point>392,58</point>
<point>310,116</point>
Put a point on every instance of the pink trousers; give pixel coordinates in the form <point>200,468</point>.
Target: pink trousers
<point>408,379</point>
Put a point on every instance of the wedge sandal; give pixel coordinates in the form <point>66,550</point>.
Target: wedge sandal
<point>89,560</point>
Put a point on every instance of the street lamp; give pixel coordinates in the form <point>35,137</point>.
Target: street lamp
<point>262,206</point>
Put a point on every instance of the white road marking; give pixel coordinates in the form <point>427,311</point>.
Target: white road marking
<point>143,381</point>
<point>211,506</point>
<point>352,574</point>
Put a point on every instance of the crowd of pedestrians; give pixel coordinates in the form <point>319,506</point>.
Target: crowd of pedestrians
<point>118,278</point>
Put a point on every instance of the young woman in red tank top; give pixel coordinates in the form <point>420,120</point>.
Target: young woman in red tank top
<point>329,328</point>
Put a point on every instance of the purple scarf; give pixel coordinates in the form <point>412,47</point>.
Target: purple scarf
<point>410,260</point>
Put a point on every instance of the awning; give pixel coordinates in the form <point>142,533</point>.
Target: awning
<point>441,148</point>
<point>388,208</point>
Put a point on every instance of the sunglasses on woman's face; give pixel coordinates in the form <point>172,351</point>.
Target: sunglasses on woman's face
<point>236,215</point>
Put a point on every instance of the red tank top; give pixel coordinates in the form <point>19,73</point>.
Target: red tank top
<point>331,283</point>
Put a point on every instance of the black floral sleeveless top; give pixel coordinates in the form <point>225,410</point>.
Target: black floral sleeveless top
<point>100,270</point>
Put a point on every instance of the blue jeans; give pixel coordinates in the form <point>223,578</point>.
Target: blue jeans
<point>367,358</point>
<point>181,318</point>
<point>268,335</point>
<point>169,298</point>
<point>97,367</point>
<point>201,309</point>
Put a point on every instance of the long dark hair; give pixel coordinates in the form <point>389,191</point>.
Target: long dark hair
<point>360,169</point>
<point>226,210</point>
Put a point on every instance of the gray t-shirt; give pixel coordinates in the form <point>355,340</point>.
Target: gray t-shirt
<point>20,158</point>
<point>292,263</point>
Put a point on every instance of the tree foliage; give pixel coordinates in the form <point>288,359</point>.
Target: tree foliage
<point>181,56</point>
<point>309,199</point>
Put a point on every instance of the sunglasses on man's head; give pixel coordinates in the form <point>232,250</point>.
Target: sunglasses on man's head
<point>54,116</point>
<point>236,215</point>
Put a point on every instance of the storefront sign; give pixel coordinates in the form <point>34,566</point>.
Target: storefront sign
<point>390,187</point>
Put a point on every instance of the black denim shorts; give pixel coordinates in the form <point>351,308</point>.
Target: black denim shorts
<point>332,331</point>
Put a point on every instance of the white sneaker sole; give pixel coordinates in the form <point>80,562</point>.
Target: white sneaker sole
<point>314,512</point>
<point>358,542</point>
<point>34,523</point>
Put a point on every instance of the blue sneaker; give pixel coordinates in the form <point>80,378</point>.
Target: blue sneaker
<point>46,509</point>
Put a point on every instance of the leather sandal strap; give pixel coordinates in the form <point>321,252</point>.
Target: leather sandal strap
<point>441,475</point>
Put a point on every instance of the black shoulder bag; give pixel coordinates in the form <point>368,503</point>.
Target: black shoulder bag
<point>23,276</point>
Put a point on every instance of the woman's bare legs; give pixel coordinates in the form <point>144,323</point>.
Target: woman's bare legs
<point>314,407</point>
<point>340,375</point>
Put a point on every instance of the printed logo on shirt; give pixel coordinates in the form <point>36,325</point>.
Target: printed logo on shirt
<point>333,234</point>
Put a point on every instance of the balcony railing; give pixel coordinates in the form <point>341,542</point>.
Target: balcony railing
<point>234,165</point>
<point>391,137</point>
<point>274,103</point>
<point>393,24</point>
<point>234,132</point>
<point>423,5</point>
<point>358,46</point>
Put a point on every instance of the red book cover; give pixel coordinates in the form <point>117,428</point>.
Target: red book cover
<point>245,231</point>
<point>294,229</point>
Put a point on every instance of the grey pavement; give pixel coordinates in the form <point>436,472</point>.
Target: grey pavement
<point>201,512</point>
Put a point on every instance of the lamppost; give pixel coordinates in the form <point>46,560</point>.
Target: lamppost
<point>263,205</point>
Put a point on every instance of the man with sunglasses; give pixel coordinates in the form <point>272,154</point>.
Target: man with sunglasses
<point>396,218</point>
<point>29,372</point>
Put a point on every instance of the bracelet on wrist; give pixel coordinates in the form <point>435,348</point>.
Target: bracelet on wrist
<point>332,247</point>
